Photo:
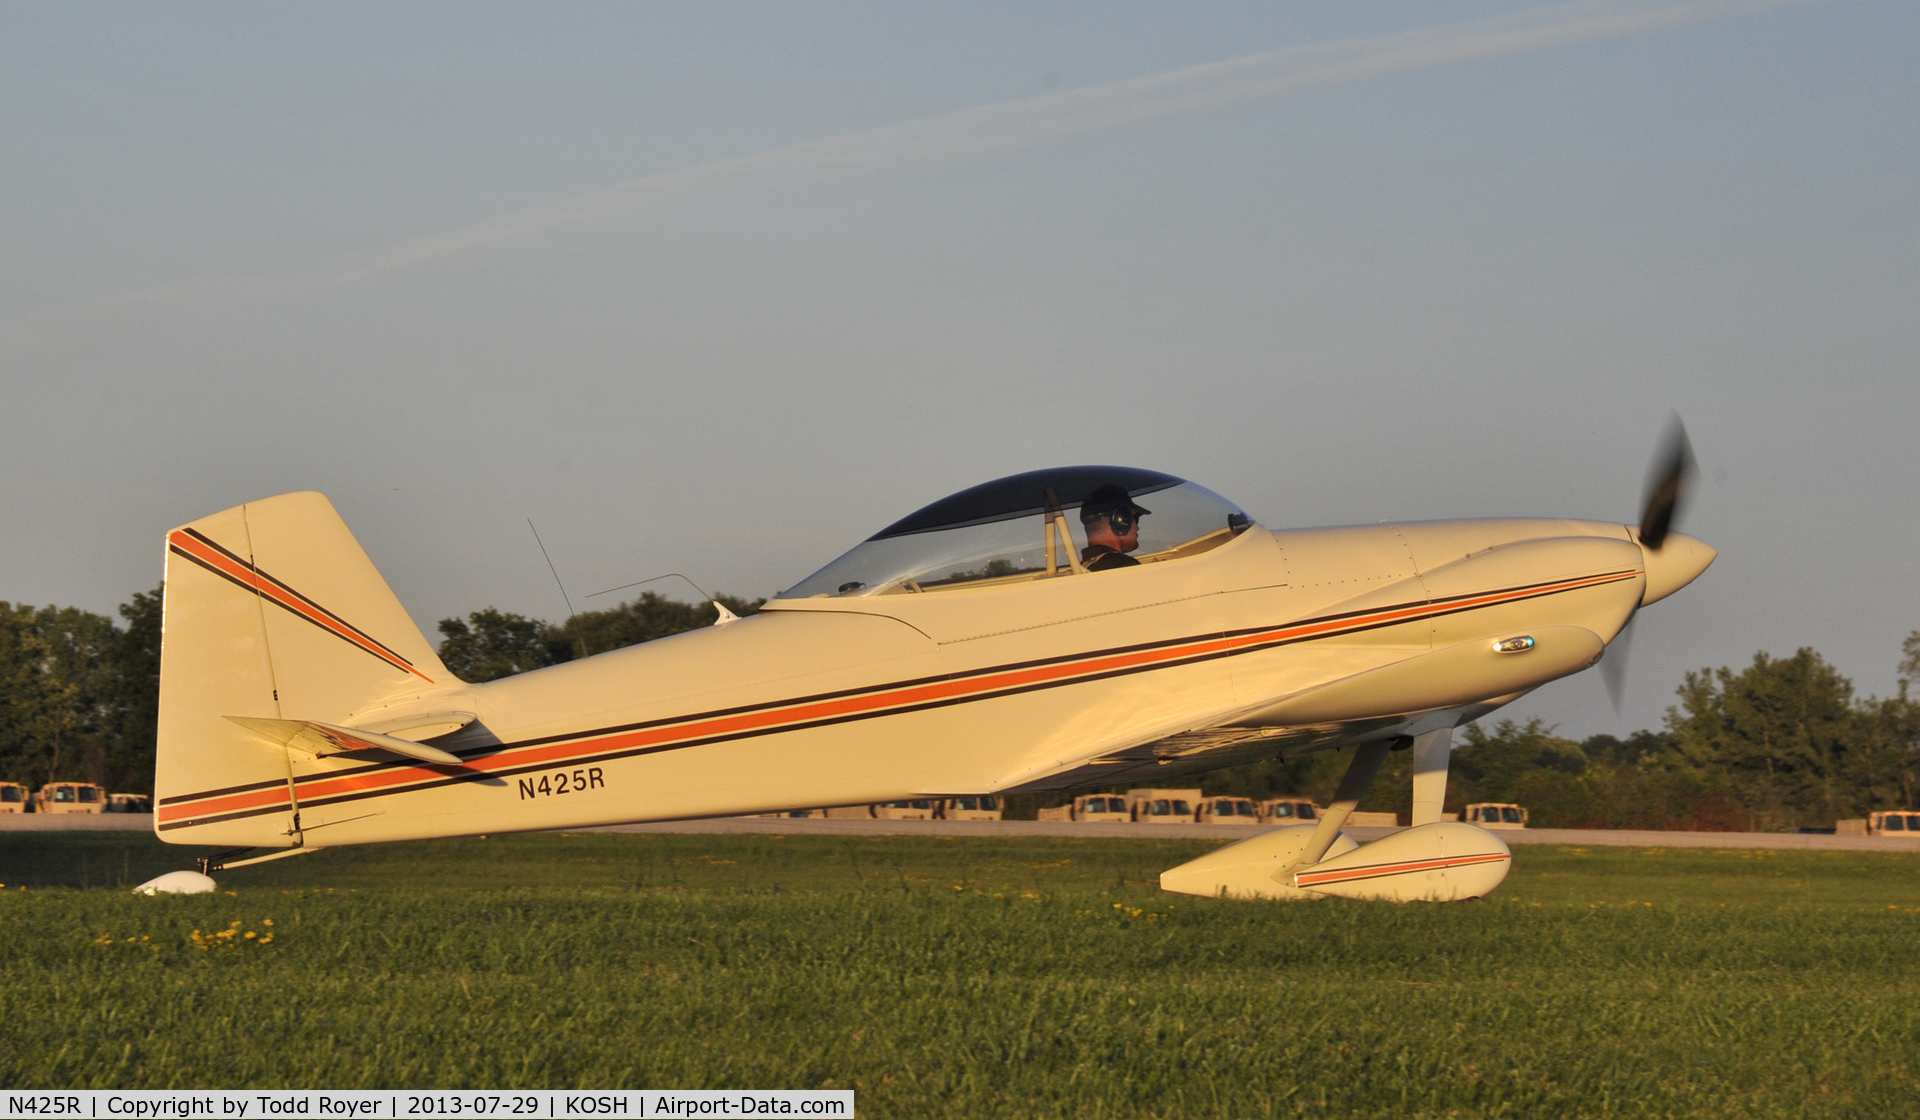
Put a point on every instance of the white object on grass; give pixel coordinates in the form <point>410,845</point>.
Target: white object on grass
<point>176,882</point>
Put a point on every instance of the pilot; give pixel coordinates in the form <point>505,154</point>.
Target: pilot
<point>1112,524</point>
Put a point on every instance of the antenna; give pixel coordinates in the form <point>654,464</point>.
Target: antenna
<point>564,597</point>
<point>655,579</point>
<point>722,615</point>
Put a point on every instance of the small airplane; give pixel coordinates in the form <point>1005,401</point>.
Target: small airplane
<point>1061,629</point>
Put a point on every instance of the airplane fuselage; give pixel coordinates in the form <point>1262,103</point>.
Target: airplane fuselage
<point>1252,649</point>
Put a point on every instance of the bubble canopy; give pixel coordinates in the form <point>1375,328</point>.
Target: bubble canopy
<point>1024,527</point>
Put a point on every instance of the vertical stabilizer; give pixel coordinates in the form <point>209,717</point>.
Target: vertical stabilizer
<point>273,611</point>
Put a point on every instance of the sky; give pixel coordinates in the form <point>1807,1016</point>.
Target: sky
<point>724,288</point>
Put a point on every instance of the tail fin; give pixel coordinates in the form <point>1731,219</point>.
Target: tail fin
<point>272,611</point>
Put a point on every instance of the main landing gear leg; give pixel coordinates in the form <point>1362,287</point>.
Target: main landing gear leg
<point>1360,772</point>
<point>1430,753</point>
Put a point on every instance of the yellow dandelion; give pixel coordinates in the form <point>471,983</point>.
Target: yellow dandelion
<point>251,935</point>
<point>266,921</point>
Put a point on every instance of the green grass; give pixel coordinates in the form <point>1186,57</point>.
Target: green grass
<point>1029,976</point>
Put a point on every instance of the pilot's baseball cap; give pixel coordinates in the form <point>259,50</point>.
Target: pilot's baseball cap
<point>1108,500</point>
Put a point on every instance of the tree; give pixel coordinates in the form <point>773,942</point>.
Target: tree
<point>37,707</point>
<point>81,646</point>
<point>1899,720</point>
<point>1642,748</point>
<point>1786,732</point>
<point>131,691</point>
<point>1525,763</point>
<point>492,644</point>
<point>80,697</point>
<point>644,619</point>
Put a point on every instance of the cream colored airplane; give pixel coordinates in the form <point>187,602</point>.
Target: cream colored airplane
<point>1061,629</point>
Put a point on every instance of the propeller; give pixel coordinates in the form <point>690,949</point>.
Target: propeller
<point>1613,665</point>
<point>1668,479</point>
<point>1667,483</point>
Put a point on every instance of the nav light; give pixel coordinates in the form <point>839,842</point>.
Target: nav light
<point>1521,644</point>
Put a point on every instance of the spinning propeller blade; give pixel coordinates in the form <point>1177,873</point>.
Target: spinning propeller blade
<point>1613,665</point>
<point>1667,484</point>
<point>1668,480</point>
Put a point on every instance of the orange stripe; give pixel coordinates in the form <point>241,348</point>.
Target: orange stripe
<point>1377,871</point>
<point>268,587</point>
<point>579,749</point>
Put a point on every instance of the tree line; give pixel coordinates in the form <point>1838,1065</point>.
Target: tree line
<point>80,694</point>
<point>1781,743</point>
<point>490,644</point>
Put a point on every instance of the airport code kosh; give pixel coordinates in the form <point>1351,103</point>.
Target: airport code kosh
<point>373,1104</point>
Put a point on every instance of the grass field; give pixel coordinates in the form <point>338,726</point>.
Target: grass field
<point>1016,976</point>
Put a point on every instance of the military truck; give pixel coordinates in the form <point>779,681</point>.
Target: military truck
<point>918,809</point>
<point>1894,822</point>
<point>14,798</point>
<point>1162,806</point>
<point>1289,810</point>
<point>69,797</point>
<point>983,808</point>
<point>1495,814</point>
<point>1108,808</point>
<point>1229,810</point>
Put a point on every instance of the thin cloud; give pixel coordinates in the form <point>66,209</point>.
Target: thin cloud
<point>1045,120</point>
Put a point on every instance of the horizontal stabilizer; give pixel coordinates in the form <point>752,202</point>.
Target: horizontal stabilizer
<point>320,739</point>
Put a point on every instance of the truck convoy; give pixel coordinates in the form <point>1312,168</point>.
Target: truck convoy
<point>982,808</point>
<point>1138,806</point>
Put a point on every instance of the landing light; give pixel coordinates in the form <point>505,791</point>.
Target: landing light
<point>1521,644</point>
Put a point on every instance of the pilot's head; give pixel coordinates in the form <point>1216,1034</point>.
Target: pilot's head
<point>1111,518</point>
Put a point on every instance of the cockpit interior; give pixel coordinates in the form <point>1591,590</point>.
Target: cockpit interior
<point>1032,526</point>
